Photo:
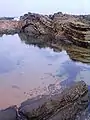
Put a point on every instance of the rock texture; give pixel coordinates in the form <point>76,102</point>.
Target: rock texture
<point>9,27</point>
<point>78,33</point>
<point>64,106</point>
<point>35,24</point>
<point>63,26</point>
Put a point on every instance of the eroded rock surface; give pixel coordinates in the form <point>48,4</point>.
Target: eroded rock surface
<point>64,106</point>
<point>62,26</point>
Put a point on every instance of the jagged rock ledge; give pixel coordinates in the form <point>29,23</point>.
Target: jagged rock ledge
<point>62,26</point>
<point>67,105</point>
<point>74,28</point>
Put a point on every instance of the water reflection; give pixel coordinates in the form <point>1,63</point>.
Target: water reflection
<point>75,53</point>
<point>31,66</point>
<point>70,70</point>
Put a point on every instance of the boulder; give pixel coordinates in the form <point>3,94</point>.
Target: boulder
<point>64,106</point>
<point>70,104</point>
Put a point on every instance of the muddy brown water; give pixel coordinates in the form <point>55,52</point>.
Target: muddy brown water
<point>27,71</point>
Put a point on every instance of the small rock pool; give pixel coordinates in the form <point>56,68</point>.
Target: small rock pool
<point>28,70</point>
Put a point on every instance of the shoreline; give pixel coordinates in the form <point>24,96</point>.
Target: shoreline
<point>74,28</point>
<point>59,28</point>
<point>59,106</point>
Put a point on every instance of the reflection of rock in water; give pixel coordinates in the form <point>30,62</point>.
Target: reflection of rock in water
<point>75,53</point>
<point>79,54</point>
<point>40,41</point>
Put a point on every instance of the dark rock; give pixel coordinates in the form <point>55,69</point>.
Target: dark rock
<point>6,18</point>
<point>8,114</point>
<point>36,24</point>
<point>64,106</point>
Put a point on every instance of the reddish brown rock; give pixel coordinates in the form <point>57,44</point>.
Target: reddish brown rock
<point>9,26</point>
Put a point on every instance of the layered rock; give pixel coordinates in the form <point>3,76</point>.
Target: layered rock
<point>61,26</point>
<point>35,24</point>
<point>78,33</point>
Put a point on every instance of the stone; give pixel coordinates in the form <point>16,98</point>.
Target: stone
<point>8,114</point>
<point>35,24</point>
<point>63,26</point>
<point>64,106</point>
<point>78,33</point>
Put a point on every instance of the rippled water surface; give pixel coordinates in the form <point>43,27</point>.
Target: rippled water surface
<point>28,70</point>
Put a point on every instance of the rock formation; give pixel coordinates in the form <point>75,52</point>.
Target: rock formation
<point>78,33</point>
<point>64,106</point>
<point>74,28</point>
<point>62,26</point>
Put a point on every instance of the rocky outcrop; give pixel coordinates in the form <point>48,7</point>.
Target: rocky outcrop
<point>62,26</point>
<point>35,24</point>
<point>64,106</point>
<point>78,33</point>
<point>9,27</point>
